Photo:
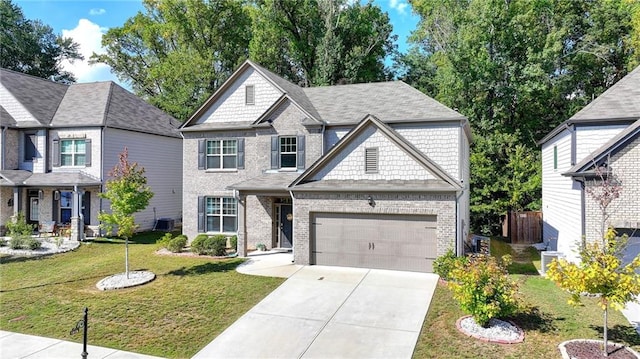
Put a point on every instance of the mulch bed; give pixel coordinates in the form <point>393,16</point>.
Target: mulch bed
<point>582,349</point>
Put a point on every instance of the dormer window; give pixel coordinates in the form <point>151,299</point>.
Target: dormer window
<point>250,95</point>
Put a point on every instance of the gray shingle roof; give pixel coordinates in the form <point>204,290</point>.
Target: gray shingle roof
<point>267,182</point>
<point>620,103</point>
<point>39,96</point>
<point>622,100</point>
<point>26,178</point>
<point>85,104</point>
<point>388,101</point>
<point>14,177</point>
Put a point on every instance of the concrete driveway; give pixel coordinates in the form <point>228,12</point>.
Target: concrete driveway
<point>328,312</point>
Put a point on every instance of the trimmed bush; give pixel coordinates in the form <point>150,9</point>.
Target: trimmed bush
<point>234,243</point>
<point>164,241</point>
<point>483,288</point>
<point>24,242</point>
<point>206,245</point>
<point>198,244</point>
<point>19,227</point>
<point>32,243</point>
<point>444,264</point>
<point>176,244</point>
<point>16,242</point>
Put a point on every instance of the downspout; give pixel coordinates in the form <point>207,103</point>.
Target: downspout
<point>459,240</point>
<point>3,134</point>
<point>293,226</point>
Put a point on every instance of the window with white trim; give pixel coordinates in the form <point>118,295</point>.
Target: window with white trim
<point>222,154</point>
<point>221,214</point>
<point>72,152</point>
<point>288,152</point>
<point>66,203</point>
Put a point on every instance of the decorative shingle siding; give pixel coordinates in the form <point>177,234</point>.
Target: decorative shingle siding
<point>625,210</point>
<point>441,205</point>
<point>15,108</point>
<point>231,107</point>
<point>334,134</point>
<point>440,143</point>
<point>11,152</point>
<point>393,162</point>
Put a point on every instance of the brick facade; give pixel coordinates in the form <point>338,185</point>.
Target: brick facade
<point>624,211</point>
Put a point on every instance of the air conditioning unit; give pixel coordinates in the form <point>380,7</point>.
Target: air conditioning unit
<point>164,224</point>
<point>546,257</point>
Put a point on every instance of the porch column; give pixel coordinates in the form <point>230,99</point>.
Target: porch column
<point>76,220</point>
<point>17,203</point>
<point>242,228</point>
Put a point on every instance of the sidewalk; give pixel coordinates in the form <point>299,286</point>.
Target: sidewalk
<point>632,312</point>
<point>15,345</point>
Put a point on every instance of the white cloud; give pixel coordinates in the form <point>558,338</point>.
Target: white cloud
<point>399,6</point>
<point>89,36</point>
<point>97,12</point>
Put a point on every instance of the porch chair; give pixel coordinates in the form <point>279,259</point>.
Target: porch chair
<point>47,227</point>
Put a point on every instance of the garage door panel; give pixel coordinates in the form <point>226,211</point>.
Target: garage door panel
<point>398,242</point>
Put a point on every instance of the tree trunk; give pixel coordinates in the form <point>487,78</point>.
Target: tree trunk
<point>126,256</point>
<point>605,351</point>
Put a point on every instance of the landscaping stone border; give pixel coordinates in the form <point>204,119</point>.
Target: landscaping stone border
<point>120,280</point>
<point>520,338</point>
<point>565,355</point>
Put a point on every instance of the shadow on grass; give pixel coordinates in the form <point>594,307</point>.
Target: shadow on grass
<point>624,334</point>
<point>210,267</point>
<point>533,319</point>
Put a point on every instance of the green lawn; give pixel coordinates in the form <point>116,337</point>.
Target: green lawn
<point>545,316</point>
<point>190,302</point>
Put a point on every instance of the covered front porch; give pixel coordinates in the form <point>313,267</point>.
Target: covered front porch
<point>265,213</point>
<point>55,203</point>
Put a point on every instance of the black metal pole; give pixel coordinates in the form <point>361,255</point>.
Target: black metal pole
<point>84,339</point>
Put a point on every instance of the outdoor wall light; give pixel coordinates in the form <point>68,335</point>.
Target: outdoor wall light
<point>371,202</point>
<point>10,202</point>
<point>40,194</point>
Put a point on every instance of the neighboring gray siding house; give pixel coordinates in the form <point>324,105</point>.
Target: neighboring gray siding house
<point>369,175</point>
<point>59,142</point>
<point>605,133</point>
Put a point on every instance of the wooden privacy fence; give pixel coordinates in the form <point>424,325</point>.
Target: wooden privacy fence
<point>523,227</point>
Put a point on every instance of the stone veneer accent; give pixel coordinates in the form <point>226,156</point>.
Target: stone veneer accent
<point>442,205</point>
<point>625,211</point>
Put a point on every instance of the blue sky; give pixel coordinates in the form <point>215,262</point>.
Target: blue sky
<point>86,20</point>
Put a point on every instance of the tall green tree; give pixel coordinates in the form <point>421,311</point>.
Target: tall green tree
<point>128,193</point>
<point>322,42</point>
<point>31,47</point>
<point>516,69</point>
<point>178,52</point>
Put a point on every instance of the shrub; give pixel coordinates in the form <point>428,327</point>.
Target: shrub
<point>219,245</point>
<point>176,244</point>
<point>215,245</point>
<point>24,242</point>
<point>483,288</point>
<point>234,243</point>
<point>19,227</point>
<point>198,244</point>
<point>444,264</point>
<point>164,241</point>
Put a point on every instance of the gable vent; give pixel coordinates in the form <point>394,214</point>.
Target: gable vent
<point>371,160</point>
<point>250,95</point>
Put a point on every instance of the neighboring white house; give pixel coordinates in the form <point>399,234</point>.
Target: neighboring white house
<point>59,142</point>
<point>604,134</point>
<point>368,175</point>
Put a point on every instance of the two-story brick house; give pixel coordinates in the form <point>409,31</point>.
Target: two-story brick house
<point>367,175</point>
<point>59,142</point>
<point>604,134</point>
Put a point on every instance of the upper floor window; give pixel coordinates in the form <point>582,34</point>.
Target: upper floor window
<point>250,95</point>
<point>30,149</point>
<point>288,152</point>
<point>222,154</point>
<point>72,152</point>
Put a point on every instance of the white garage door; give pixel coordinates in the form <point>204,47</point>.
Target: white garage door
<point>383,241</point>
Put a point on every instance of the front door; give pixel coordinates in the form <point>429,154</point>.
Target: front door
<point>286,226</point>
<point>33,211</point>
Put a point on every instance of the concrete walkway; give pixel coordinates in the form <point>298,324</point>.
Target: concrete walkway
<point>14,345</point>
<point>329,312</point>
